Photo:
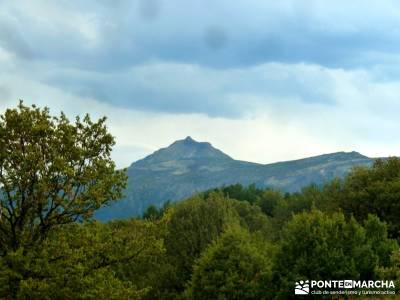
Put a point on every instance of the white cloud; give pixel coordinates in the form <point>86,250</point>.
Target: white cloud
<point>286,79</point>
<point>363,116</point>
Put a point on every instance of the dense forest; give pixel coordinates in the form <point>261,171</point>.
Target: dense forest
<point>234,242</point>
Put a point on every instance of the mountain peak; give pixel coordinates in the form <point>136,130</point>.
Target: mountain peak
<point>186,149</point>
<point>188,166</point>
<point>189,139</point>
<point>346,155</point>
<point>190,148</point>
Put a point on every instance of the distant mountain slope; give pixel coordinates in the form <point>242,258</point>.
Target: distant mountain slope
<point>187,166</point>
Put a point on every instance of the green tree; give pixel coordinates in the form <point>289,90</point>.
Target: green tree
<point>376,191</point>
<point>377,236</point>
<point>239,192</point>
<point>192,226</point>
<point>91,261</point>
<point>236,266</point>
<point>269,200</point>
<point>251,217</point>
<point>154,213</point>
<point>319,246</point>
<point>392,272</point>
<point>52,172</point>
<point>309,197</point>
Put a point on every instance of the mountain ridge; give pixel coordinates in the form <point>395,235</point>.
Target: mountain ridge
<point>187,166</point>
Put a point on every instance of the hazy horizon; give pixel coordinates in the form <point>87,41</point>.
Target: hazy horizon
<point>262,81</point>
<point>200,141</point>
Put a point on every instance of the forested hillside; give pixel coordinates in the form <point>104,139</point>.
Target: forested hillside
<point>187,167</point>
<point>233,242</point>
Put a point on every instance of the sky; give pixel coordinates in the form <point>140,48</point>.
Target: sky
<point>263,81</point>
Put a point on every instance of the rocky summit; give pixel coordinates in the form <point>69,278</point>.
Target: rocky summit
<point>187,166</point>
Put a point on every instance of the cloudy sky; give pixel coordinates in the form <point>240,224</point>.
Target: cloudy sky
<point>263,81</point>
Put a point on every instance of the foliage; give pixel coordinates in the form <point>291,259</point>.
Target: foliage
<point>52,172</point>
<point>87,262</point>
<point>376,191</point>
<point>304,201</point>
<point>268,201</point>
<point>193,225</point>
<point>236,266</point>
<point>234,242</point>
<point>377,236</point>
<point>155,213</point>
<point>392,272</point>
<point>252,218</point>
<point>239,192</point>
<point>318,246</point>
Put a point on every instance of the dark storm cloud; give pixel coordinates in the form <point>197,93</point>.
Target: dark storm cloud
<point>149,9</point>
<point>199,56</point>
<point>14,42</point>
<point>247,32</point>
<point>186,89</point>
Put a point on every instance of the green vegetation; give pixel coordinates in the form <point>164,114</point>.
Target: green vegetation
<point>187,166</point>
<point>316,245</point>
<point>235,242</point>
<point>236,266</point>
